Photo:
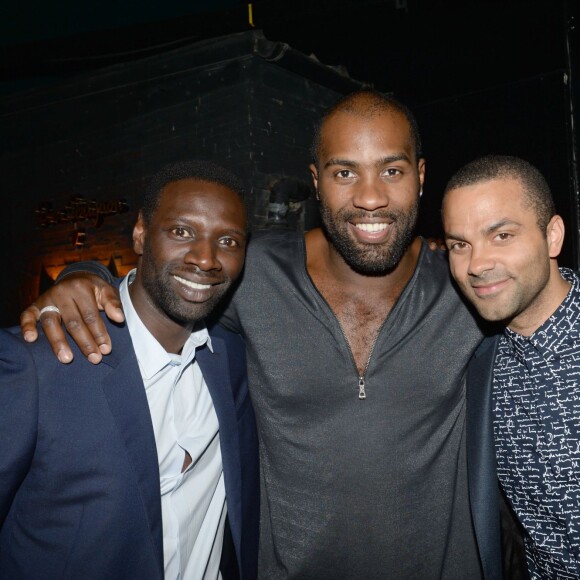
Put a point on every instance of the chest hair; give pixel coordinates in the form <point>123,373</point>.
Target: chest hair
<point>361,318</point>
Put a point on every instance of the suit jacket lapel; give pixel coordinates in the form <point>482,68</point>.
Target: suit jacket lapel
<point>125,393</point>
<point>215,370</point>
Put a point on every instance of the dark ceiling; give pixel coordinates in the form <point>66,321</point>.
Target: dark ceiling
<point>423,50</point>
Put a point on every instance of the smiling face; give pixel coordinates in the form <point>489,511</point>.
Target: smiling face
<point>368,181</point>
<point>191,251</point>
<point>501,259</point>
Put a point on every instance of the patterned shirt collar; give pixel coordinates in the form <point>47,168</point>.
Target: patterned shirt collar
<point>555,329</point>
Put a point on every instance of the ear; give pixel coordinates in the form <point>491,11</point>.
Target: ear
<point>421,168</point>
<point>314,173</point>
<point>139,235</point>
<point>555,234</point>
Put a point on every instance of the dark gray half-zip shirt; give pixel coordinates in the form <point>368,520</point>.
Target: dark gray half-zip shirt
<point>357,489</point>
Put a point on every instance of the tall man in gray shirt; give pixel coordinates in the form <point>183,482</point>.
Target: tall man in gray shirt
<point>357,347</point>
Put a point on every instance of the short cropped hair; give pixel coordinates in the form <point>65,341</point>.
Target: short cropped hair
<point>367,103</point>
<point>535,187</point>
<point>194,169</point>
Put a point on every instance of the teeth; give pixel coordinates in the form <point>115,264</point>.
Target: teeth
<point>372,227</point>
<point>192,284</point>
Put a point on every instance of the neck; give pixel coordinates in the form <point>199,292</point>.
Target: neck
<point>545,304</point>
<point>171,334</point>
<point>322,258</point>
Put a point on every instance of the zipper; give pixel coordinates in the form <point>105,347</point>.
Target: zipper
<point>361,386</point>
<point>362,394</point>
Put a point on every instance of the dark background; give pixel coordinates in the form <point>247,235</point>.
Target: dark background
<point>423,50</point>
<point>482,76</point>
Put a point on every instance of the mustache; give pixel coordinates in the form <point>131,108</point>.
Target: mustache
<point>484,280</point>
<point>384,214</point>
<point>197,272</point>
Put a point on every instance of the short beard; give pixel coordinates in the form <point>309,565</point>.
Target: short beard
<point>369,259</point>
<point>157,283</point>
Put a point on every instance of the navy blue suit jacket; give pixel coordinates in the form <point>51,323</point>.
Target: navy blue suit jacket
<point>79,476</point>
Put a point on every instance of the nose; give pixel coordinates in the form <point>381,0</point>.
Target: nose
<point>371,194</point>
<point>203,254</point>
<point>480,261</point>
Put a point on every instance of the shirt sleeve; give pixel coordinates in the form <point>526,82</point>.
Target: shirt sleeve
<point>88,268</point>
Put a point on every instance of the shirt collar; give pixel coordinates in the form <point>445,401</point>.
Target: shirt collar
<point>152,357</point>
<point>554,331</point>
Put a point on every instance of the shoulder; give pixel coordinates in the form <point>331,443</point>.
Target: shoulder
<point>488,347</point>
<point>234,346</point>
<point>231,346</point>
<point>48,368</point>
<point>435,261</point>
<point>10,340</point>
<point>12,345</point>
<point>433,277</point>
<point>273,242</point>
<point>232,340</point>
<point>271,258</point>
<point>15,357</point>
<point>480,367</point>
<point>19,388</point>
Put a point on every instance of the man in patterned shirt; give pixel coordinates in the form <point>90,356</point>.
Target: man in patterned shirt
<point>504,238</point>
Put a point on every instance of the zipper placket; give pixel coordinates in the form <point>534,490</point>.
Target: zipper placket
<point>362,394</point>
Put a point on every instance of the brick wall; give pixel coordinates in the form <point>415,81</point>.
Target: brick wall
<point>241,100</point>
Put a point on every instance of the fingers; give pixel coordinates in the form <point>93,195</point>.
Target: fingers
<point>52,328</point>
<point>28,320</point>
<point>77,299</point>
<point>51,325</point>
<point>436,244</point>
<point>109,301</point>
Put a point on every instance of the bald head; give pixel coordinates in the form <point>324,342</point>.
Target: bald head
<point>367,104</point>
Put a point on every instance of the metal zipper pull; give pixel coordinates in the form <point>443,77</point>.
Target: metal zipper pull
<point>361,388</point>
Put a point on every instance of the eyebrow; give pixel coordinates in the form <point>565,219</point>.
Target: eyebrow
<point>382,161</point>
<point>501,224</point>
<point>232,231</point>
<point>489,230</point>
<point>182,220</point>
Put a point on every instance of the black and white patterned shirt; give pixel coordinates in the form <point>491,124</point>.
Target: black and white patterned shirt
<point>536,402</point>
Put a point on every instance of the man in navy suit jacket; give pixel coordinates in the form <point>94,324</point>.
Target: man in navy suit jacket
<point>80,489</point>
